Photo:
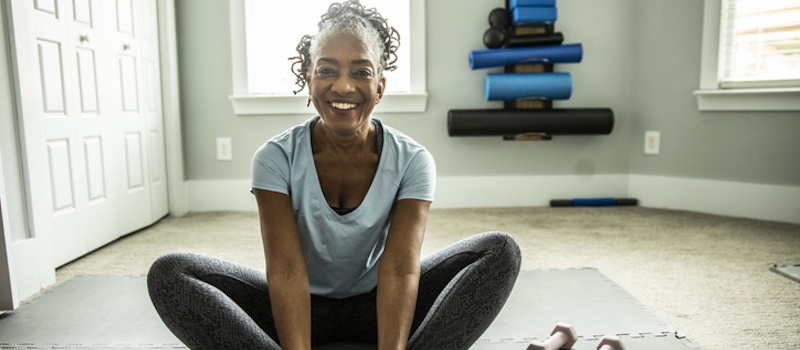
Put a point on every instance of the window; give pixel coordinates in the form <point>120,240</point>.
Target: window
<point>759,43</point>
<point>750,56</point>
<point>264,35</point>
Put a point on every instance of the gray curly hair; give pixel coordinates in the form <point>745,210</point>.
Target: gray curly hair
<point>350,17</point>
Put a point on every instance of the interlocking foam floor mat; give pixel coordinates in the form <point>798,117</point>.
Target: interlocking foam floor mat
<point>113,312</point>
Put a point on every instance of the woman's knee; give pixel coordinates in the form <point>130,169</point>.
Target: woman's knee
<point>171,263</point>
<point>503,247</point>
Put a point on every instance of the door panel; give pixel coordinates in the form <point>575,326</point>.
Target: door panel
<point>133,153</point>
<point>87,80</point>
<point>47,6</point>
<point>52,77</point>
<point>61,175</point>
<point>127,74</point>
<point>95,165</point>
<point>83,11</point>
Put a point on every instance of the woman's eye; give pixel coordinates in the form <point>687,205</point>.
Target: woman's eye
<point>364,74</point>
<point>324,71</point>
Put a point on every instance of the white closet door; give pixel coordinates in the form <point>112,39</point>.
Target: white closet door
<point>153,111</point>
<point>133,188</point>
<point>49,54</point>
<point>92,122</point>
<point>89,90</point>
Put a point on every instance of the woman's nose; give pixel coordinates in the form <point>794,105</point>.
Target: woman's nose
<point>343,84</point>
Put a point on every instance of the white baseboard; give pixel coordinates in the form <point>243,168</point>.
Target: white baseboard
<point>451,191</point>
<point>524,191</point>
<point>739,199</point>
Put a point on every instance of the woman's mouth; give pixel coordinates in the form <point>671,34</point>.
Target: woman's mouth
<point>343,105</point>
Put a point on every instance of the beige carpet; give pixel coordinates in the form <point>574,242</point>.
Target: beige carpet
<point>706,275</point>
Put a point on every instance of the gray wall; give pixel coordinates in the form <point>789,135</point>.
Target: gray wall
<point>757,147</point>
<point>641,59</point>
<point>601,80</point>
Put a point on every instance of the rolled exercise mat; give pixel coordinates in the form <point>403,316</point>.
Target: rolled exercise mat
<point>512,4</point>
<point>570,53</point>
<point>535,40</point>
<point>533,16</point>
<point>550,86</point>
<point>498,122</point>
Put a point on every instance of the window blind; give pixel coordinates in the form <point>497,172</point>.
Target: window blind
<point>759,44</point>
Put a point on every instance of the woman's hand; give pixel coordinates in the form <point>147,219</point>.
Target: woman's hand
<point>399,272</point>
<point>287,274</point>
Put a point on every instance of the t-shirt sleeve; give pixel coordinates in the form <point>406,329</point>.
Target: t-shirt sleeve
<point>419,179</point>
<point>270,169</point>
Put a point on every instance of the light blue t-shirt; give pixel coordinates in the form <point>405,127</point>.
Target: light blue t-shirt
<point>342,252</point>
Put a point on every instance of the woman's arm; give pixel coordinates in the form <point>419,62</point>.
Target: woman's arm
<point>287,274</point>
<point>398,273</point>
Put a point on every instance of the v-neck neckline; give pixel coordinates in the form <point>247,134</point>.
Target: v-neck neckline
<point>318,186</point>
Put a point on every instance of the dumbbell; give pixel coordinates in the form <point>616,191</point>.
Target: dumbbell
<point>500,22</point>
<point>610,342</point>
<point>501,33</point>
<point>563,336</point>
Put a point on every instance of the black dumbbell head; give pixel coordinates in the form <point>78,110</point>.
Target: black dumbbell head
<point>499,18</point>
<point>494,38</point>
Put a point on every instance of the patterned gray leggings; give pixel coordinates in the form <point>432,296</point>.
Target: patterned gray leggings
<point>213,304</point>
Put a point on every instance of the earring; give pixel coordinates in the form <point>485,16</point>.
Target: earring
<point>309,102</point>
<point>378,101</point>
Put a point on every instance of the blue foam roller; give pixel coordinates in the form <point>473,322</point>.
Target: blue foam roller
<point>512,4</point>
<point>594,202</point>
<point>550,86</point>
<point>570,53</point>
<point>533,16</point>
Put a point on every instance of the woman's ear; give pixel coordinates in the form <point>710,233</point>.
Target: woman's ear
<point>381,86</point>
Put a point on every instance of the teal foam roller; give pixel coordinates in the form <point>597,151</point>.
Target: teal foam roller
<point>548,86</point>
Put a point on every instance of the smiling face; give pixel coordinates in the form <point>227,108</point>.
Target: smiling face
<point>345,83</point>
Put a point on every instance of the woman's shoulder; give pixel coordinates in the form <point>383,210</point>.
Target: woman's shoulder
<point>287,141</point>
<point>398,138</point>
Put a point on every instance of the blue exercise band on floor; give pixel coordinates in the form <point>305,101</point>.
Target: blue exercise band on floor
<point>594,202</point>
<point>551,86</point>
<point>534,16</point>
<point>569,53</point>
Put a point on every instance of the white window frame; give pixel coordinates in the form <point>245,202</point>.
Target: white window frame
<point>244,103</point>
<point>710,97</point>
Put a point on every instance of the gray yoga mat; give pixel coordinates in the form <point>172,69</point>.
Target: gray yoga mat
<point>112,312</point>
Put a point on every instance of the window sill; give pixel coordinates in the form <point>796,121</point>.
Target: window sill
<point>250,105</point>
<point>783,99</point>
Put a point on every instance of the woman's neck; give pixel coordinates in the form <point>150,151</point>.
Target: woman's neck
<point>326,139</point>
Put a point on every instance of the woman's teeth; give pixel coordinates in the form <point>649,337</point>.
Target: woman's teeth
<point>344,106</point>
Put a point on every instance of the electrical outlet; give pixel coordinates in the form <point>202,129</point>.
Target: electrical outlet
<point>224,151</point>
<point>652,142</point>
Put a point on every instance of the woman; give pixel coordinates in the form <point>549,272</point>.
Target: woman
<point>343,201</point>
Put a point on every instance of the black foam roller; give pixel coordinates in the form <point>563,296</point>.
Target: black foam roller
<point>498,122</point>
<point>535,40</point>
<point>560,202</point>
<point>627,201</point>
